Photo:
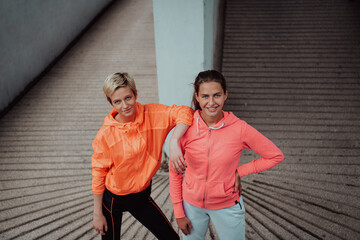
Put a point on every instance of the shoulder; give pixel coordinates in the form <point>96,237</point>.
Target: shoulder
<point>102,133</point>
<point>235,125</point>
<point>232,119</point>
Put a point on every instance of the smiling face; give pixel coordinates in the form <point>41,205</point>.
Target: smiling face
<point>124,101</point>
<point>211,98</point>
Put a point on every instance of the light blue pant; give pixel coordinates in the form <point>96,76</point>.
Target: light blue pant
<point>229,222</point>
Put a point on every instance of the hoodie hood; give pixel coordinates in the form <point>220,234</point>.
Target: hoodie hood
<point>110,120</point>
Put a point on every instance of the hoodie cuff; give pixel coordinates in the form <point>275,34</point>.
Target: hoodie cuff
<point>179,210</point>
<point>245,169</point>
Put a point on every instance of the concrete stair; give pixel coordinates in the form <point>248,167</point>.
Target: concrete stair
<point>293,69</point>
<point>45,150</point>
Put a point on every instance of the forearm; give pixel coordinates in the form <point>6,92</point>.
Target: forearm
<point>98,198</point>
<point>259,165</point>
<point>175,190</point>
<point>179,131</point>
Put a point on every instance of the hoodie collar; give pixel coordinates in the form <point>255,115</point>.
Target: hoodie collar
<point>202,123</point>
<point>228,119</point>
<point>110,120</point>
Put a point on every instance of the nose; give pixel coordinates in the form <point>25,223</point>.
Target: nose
<point>211,101</point>
<point>125,104</point>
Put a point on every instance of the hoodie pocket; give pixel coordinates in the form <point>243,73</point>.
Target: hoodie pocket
<point>216,192</point>
<point>192,189</point>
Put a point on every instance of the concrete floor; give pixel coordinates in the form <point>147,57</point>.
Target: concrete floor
<point>45,159</point>
<point>45,149</point>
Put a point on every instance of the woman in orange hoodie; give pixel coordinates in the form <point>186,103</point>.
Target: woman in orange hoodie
<point>127,154</point>
<point>212,147</point>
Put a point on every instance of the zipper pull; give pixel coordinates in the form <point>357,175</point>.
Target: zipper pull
<point>209,131</point>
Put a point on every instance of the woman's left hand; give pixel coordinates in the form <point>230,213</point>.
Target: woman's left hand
<point>238,186</point>
<point>176,158</point>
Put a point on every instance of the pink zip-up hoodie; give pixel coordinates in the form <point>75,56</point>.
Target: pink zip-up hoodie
<point>212,156</point>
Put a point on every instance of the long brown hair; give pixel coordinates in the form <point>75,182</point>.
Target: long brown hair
<point>204,77</point>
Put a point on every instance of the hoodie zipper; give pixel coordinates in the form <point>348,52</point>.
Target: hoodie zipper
<point>208,158</point>
<point>207,168</point>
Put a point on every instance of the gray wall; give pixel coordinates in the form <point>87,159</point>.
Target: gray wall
<point>186,34</point>
<point>187,42</point>
<point>33,33</point>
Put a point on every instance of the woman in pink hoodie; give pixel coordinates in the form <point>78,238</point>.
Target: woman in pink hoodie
<point>212,147</point>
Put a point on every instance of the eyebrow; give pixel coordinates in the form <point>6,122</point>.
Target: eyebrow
<point>205,94</point>
<point>124,98</point>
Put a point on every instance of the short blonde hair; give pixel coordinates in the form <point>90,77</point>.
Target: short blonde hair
<point>117,80</point>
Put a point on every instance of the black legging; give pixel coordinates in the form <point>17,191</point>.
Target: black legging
<point>142,207</point>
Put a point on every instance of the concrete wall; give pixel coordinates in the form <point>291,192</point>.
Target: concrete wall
<point>33,33</point>
<point>186,34</point>
<point>213,23</point>
<point>185,37</point>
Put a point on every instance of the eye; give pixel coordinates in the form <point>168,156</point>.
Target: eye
<point>127,98</point>
<point>205,96</point>
<point>116,102</point>
<point>218,95</point>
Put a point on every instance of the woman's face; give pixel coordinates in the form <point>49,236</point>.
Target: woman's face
<point>211,98</point>
<point>124,101</point>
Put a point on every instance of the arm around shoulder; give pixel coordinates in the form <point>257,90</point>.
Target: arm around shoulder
<point>181,114</point>
<point>176,156</point>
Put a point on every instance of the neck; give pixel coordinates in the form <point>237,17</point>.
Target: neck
<point>211,121</point>
<point>122,119</point>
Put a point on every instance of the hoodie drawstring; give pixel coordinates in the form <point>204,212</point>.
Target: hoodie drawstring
<point>223,124</point>
<point>197,126</point>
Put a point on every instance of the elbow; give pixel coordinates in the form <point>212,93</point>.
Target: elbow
<point>279,157</point>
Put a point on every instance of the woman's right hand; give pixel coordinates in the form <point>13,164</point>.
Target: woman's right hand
<point>184,225</point>
<point>237,186</point>
<point>176,158</point>
<point>100,224</point>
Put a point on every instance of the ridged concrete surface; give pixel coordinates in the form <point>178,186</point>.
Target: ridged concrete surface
<point>45,150</point>
<point>294,74</point>
<point>293,71</point>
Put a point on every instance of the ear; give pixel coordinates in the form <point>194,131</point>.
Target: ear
<point>196,97</point>
<point>226,94</point>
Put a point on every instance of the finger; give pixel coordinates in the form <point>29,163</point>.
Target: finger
<point>106,228</point>
<point>190,226</point>
<point>174,166</point>
<point>181,159</point>
<point>185,231</point>
<point>178,167</point>
<point>179,164</point>
<point>236,187</point>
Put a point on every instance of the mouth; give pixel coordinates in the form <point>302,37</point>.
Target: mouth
<point>212,109</point>
<point>127,110</point>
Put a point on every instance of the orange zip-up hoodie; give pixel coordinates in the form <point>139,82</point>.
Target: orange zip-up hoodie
<point>212,156</point>
<point>127,155</point>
